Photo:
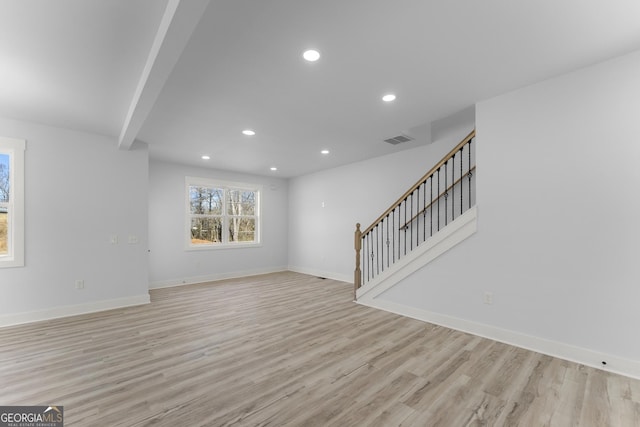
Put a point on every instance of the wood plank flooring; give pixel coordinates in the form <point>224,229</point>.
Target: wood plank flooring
<point>287,349</point>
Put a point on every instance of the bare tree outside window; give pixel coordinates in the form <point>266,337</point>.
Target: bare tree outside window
<point>222,215</point>
<point>206,214</point>
<point>241,211</point>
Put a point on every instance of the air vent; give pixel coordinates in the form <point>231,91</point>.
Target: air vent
<point>398,139</point>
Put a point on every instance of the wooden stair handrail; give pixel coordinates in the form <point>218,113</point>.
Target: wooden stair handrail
<point>406,224</point>
<point>423,179</point>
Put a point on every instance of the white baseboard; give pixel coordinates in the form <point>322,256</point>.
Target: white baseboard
<point>454,233</point>
<point>319,273</point>
<point>615,364</point>
<point>213,277</point>
<point>72,310</point>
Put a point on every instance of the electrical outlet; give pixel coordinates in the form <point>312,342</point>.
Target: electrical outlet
<point>488,298</point>
<point>114,239</point>
<point>133,239</point>
<point>79,284</point>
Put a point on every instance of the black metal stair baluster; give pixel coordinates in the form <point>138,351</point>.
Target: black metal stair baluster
<point>431,209</point>
<point>377,250</point>
<point>382,245</point>
<point>370,254</point>
<point>393,234</point>
<point>366,256</point>
<point>399,231</point>
<point>424,211</point>
<point>461,159</point>
<point>417,216</point>
<point>469,173</point>
<point>373,243</point>
<point>446,194</point>
<point>363,259</point>
<point>379,254</point>
<point>407,224</point>
<point>453,187</point>
<point>438,195</point>
<point>388,242</point>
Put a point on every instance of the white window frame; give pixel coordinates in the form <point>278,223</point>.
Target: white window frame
<point>15,207</point>
<point>225,185</point>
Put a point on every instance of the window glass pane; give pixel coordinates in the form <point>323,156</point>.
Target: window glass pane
<point>4,199</point>
<point>4,177</point>
<point>205,231</point>
<point>242,229</point>
<point>241,202</point>
<point>205,201</point>
<point>219,215</point>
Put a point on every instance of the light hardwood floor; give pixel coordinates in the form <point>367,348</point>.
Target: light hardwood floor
<point>293,350</point>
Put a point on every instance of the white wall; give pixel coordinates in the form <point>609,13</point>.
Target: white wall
<point>80,189</point>
<point>171,264</point>
<point>558,227</point>
<point>321,238</point>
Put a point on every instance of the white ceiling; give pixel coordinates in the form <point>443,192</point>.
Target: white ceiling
<point>74,63</point>
<point>80,64</point>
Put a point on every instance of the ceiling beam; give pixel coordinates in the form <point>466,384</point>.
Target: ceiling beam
<point>178,23</point>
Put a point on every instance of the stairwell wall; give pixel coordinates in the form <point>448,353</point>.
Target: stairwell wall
<point>324,207</point>
<point>557,240</point>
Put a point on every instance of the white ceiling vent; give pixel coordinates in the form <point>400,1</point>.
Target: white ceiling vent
<point>398,139</point>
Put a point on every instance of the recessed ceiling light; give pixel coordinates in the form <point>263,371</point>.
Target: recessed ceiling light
<point>389,97</point>
<point>273,168</point>
<point>325,151</point>
<point>205,157</point>
<point>311,55</point>
<point>248,132</point>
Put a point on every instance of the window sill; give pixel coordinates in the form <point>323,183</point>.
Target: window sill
<point>10,262</point>
<point>222,246</point>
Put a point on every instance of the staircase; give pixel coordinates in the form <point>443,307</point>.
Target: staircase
<point>435,214</point>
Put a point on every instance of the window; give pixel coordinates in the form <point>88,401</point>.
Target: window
<point>222,214</point>
<point>11,202</point>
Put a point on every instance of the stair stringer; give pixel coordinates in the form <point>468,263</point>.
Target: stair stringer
<point>454,233</point>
